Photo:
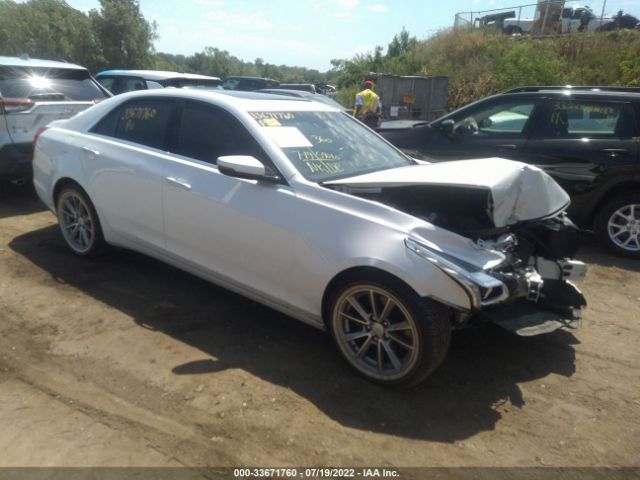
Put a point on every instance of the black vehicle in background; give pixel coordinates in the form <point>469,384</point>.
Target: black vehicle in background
<point>586,139</point>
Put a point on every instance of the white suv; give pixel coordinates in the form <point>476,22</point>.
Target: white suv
<point>33,93</point>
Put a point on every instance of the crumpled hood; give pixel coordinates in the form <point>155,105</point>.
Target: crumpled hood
<point>518,192</point>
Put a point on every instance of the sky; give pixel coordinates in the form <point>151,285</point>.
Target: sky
<point>309,33</point>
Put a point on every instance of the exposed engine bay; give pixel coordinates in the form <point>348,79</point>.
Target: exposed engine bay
<point>538,267</point>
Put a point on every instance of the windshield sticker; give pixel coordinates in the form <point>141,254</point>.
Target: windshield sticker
<point>288,137</point>
<point>270,122</point>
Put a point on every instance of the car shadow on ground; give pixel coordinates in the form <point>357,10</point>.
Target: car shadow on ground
<point>594,253</point>
<point>465,396</point>
<point>18,200</point>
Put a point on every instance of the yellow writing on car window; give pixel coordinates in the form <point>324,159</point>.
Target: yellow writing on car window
<point>133,114</point>
<point>607,111</point>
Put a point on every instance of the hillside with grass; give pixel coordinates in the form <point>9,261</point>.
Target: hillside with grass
<point>480,63</point>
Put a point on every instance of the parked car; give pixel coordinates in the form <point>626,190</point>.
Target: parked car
<point>587,140</point>
<point>122,81</point>
<point>33,93</point>
<point>316,97</point>
<point>302,208</point>
<point>248,84</point>
<point>305,87</point>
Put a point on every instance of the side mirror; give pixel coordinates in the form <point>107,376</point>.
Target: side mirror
<point>446,126</point>
<point>246,166</point>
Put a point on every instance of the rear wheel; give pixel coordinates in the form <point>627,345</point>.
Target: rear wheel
<point>79,222</point>
<point>387,333</point>
<point>617,225</point>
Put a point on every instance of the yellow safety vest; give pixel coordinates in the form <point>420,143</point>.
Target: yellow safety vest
<point>369,101</point>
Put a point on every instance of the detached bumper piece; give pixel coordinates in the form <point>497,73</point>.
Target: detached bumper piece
<point>558,308</point>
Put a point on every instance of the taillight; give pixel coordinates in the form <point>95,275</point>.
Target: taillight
<point>37,135</point>
<point>15,105</point>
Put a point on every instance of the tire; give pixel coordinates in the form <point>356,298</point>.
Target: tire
<point>402,343</point>
<point>617,225</point>
<point>78,222</point>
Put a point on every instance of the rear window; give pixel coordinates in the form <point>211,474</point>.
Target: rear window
<point>192,83</point>
<point>48,84</point>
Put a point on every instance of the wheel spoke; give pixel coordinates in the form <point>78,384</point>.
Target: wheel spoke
<point>372,300</point>
<point>399,326</point>
<point>358,308</point>
<point>85,237</point>
<point>364,348</point>
<point>349,337</point>
<point>386,310</point>
<point>401,341</point>
<point>397,364</point>
<point>354,319</point>
<point>380,357</point>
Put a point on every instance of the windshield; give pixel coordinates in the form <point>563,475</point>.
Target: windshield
<point>328,145</point>
<point>48,84</point>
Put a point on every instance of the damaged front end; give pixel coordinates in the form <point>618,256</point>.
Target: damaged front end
<point>509,213</point>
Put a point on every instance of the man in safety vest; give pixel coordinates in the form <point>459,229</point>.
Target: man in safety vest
<point>368,105</point>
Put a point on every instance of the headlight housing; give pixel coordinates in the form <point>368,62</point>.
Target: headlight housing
<point>482,288</point>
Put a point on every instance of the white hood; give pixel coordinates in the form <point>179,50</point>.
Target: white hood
<point>518,191</point>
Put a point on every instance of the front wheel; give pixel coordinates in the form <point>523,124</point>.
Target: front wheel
<point>387,333</point>
<point>79,222</point>
<point>617,225</point>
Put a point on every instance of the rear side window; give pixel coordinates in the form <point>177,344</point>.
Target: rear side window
<point>570,118</point>
<point>143,121</point>
<point>48,84</point>
<point>207,132</point>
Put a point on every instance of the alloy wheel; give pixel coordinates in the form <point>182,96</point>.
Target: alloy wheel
<point>76,221</point>
<point>376,332</point>
<point>623,227</point>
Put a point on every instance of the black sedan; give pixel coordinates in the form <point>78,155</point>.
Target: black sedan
<point>588,140</point>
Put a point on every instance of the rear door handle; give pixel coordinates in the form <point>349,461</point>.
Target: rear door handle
<point>614,152</point>
<point>179,182</point>
<point>91,151</point>
<point>507,146</point>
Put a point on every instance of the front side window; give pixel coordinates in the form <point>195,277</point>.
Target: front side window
<point>129,84</point>
<point>328,145</point>
<point>207,132</point>
<point>503,119</point>
<point>143,121</point>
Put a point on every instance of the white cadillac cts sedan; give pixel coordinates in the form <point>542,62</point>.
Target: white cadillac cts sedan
<point>300,207</point>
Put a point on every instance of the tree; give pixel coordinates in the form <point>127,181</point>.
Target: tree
<point>125,37</point>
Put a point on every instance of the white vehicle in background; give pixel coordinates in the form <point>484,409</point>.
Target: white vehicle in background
<point>574,19</point>
<point>298,206</point>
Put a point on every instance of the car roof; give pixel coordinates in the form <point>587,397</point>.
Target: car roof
<point>245,77</point>
<point>156,74</point>
<point>621,95</point>
<point>286,91</point>
<point>35,62</point>
<point>574,88</point>
<point>247,101</point>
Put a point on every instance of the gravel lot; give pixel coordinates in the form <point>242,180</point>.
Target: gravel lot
<point>123,360</point>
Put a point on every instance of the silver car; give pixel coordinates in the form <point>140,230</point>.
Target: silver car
<point>300,207</point>
<point>32,94</point>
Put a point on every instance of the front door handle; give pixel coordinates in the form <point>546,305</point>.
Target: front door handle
<point>614,152</point>
<point>179,182</point>
<point>507,146</point>
<point>91,151</point>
